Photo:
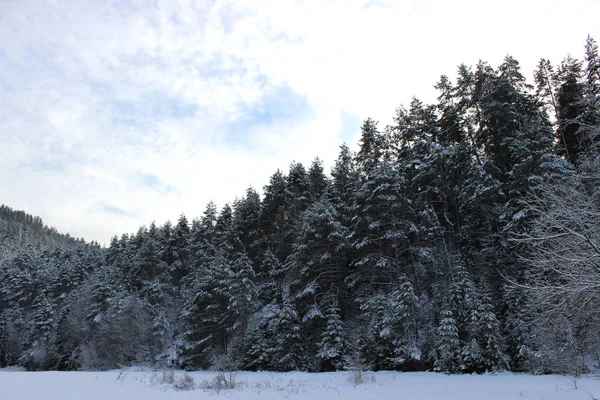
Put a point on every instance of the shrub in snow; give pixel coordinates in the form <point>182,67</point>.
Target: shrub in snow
<point>226,377</point>
<point>223,380</point>
<point>167,377</point>
<point>358,377</point>
<point>358,372</point>
<point>185,382</point>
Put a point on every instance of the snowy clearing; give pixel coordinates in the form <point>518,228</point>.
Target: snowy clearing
<point>148,385</point>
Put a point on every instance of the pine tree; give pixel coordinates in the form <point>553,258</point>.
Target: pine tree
<point>157,290</point>
<point>379,229</point>
<point>371,147</point>
<point>545,82</point>
<point>273,223</point>
<point>273,285</point>
<point>297,200</point>
<point>3,342</point>
<point>314,266</point>
<point>592,66</point>
<point>206,314</point>
<point>41,348</point>
<point>516,331</point>
<point>472,359</point>
<point>591,117</point>
<point>222,289</point>
<point>447,354</point>
<point>377,345</point>
<point>406,322</point>
<point>177,250</point>
<point>345,180</point>
<point>242,293</point>
<point>490,341</point>
<point>288,352</point>
<point>570,107</point>
<point>331,347</point>
<point>317,181</point>
<point>506,108</point>
<point>464,302</point>
<point>256,349</point>
<point>246,217</point>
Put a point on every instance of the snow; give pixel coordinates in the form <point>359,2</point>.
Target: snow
<point>145,384</point>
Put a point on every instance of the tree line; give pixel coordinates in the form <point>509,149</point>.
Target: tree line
<point>464,237</point>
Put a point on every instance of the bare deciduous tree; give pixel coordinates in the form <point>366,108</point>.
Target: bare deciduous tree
<point>563,254</point>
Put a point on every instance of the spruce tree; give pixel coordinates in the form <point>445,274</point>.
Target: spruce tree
<point>314,267</point>
<point>3,342</point>
<point>273,225</point>
<point>490,340</point>
<point>287,349</point>
<point>345,180</point>
<point>331,347</point>
<point>371,146</point>
<point>317,181</point>
<point>246,215</point>
<point>570,107</point>
<point>517,331</point>
<point>448,348</point>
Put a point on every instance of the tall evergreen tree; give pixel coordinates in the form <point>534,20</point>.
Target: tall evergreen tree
<point>315,270</point>
<point>371,146</point>
<point>345,180</point>
<point>570,107</point>
<point>331,347</point>
<point>273,223</point>
<point>379,229</point>
<point>246,217</point>
<point>490,340</point>
<point>317,181</point>
<point>447,354</point>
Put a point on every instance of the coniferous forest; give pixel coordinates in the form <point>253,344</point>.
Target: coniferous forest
<point>464,237</point>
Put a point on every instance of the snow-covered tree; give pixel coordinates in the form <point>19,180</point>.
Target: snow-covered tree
<point>447,357</point>
<point>331,347</point>
<point>490,340</point>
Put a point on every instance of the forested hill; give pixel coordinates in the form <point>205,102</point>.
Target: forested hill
<point>20,231</point>
<point>461,238</point>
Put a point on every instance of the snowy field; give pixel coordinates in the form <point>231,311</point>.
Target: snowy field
<point>147,385</point>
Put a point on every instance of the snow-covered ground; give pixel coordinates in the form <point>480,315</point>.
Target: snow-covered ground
<point>148,385</point>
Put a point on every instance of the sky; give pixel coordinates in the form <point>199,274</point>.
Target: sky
<point>117,113</point>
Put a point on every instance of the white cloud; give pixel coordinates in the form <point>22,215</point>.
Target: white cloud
<point>115,114</point>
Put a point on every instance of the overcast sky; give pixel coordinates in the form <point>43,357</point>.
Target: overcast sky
<point>117,113</point>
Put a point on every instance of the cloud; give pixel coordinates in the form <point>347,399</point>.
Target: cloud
<point>114,210</point>
<point>278,106</point>
<point>151,181</point>
<point>118,113</point>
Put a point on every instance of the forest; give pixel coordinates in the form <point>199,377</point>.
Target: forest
<point>464,237</point>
